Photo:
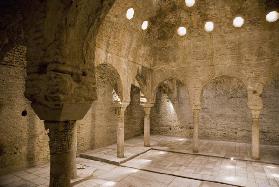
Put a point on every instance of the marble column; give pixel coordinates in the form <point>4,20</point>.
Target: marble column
<point>196,121</point>
<point>62,150</point>
<point>147,109</point>
<point>120,111</point>
<point>255,134</point>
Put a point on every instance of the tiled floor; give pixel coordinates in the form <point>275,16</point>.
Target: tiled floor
<point>235,172</point>
<point>134,147</point>
<point>169,162</point>
<point>242,151</point>
<point>104,175</point>
<point>39,176</point>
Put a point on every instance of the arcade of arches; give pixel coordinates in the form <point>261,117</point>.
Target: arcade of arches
<point>139,93</point>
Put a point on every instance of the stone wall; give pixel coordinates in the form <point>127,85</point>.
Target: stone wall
<point>269,122</point>
<point>104,118</point>
<point>172,114</point>
<point>134,115</point>
<point>225,114</point>
<point>23,139</point>
<point>249,53</point>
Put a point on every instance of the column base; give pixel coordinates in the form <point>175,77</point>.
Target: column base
<point>120,156</point>
<point>146,145</point>
<point>255,158</point>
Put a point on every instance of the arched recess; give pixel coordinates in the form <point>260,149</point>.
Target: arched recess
<point>134,114</point>
<point>269,120</point>
<point>99,127</point>
<point>172,112</point>
<point>225,114</point>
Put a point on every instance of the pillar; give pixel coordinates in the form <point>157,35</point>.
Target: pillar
<point>62,150</point>
<point>74,162</point>
<point>196,121</point>
<point>120,111</point>
<point>147,109</point>
<point>255,134</point>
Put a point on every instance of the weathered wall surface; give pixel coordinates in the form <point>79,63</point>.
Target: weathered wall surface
<point>134,115</point>
<point>249,53</point>
<point>23,139</point>
<point>105,119</point>
<point>172,113</point>
<point>84,132</point>
<point>225,114</point>
<point>269,123</point>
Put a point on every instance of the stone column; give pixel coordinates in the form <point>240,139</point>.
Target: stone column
<point>196,121</point>
<point>120,111</point>
<point>62,149</point>
<point>147,109</point>
<point>255,134</point>
<point>74,162</point>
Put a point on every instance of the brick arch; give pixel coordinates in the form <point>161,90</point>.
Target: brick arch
<point>224,111</point>
<point>172,112</point>
<point>107,73</point>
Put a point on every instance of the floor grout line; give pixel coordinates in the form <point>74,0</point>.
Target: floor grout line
<point>174,175</point>
<point>215,156</point>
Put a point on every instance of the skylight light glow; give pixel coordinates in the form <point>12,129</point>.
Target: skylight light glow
<point>130,13</point>
<point>190,3</point>
<point>144,25</point>
<point>272,16</point>
<point>238,22</point>
<point>181,31</point>
<point>209,26</point>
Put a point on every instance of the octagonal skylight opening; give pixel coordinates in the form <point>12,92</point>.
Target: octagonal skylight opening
<point>209,26</point>
<point>238,22</point>
<point>181,31</point>
<point>272,16</point>
<point>130,13</point>
<point>190,3</point>
<point>144,25</point>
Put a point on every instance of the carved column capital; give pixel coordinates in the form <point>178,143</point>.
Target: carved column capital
<point>147,108</point>
<point>255,113</point>
<point>60,92</point>
<point>120,108</point>
<point>196,107</point>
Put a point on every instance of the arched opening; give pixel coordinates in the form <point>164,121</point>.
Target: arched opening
<point>134,114</point>
<point>171,114</point>
<point>99,127</point>
<point>225,114</point>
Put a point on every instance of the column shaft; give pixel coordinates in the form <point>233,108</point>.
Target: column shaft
<point>255,139</point>
<point>74,162</point>
<point>120,111</point>
<point>196,121</point>
<point>61,145</point>
<point>120,137</point>
<point>147,108</point>
<point>147,130</point>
